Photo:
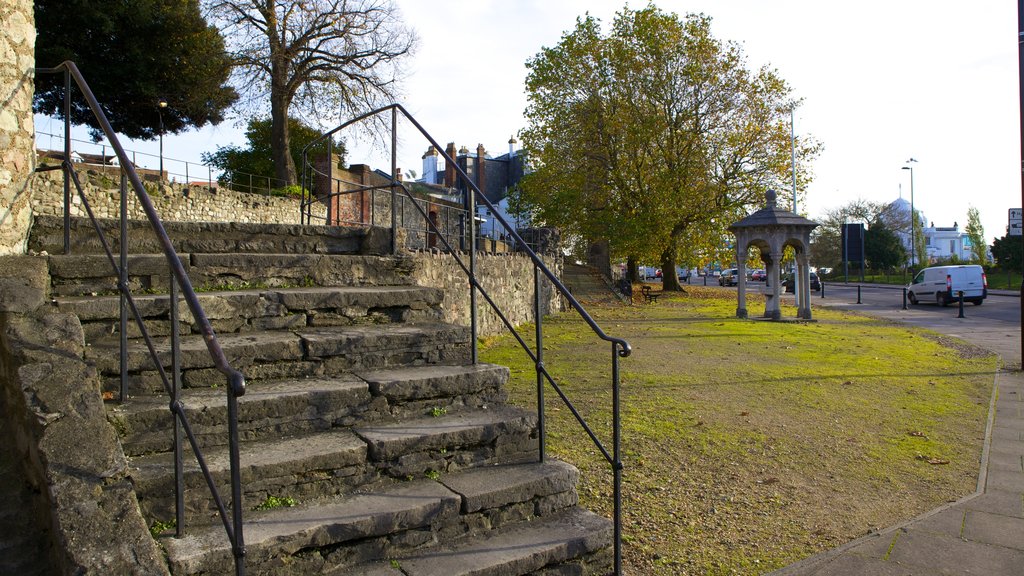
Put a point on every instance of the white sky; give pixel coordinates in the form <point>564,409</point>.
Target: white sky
<point>882,82</point>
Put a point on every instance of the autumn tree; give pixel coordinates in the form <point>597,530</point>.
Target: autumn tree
<point>319,56</point>
<point>827,238</point>
<point>654,136</point>
<point>133,55</point>
<point>976,235</point>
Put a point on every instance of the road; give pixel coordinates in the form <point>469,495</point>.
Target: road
<point>994,325</point>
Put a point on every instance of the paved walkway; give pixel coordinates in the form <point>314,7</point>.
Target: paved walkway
<point>981,534</point>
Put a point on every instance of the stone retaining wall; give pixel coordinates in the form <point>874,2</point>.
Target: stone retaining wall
<point>172,204</point>
<point>507,278</point>
<point>17,132</point>
<point>71,454</point>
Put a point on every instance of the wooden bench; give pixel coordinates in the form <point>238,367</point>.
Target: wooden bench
<point>649,296</point>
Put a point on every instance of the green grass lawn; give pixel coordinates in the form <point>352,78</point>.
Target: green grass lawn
<point>749,445</point>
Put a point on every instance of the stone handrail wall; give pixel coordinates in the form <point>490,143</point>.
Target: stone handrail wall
<point>199,204</point>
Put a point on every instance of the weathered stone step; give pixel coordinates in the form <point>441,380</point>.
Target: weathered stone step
<point>573,541</point>
<point>451,442</point>
<point>268,409</point>
<point>329,462</point>
<point>333,534</point>
<point>284,407</point>
<point>450,388</point>
<point>262,309</point>
<point>89,274</point>
<point>282,354</point>
<point>211,237</point>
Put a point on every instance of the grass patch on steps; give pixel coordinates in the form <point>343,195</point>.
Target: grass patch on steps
<point>749,445</point>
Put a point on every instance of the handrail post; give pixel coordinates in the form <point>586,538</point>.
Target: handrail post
<point>67,161</point>
<point>237,538</point>
<point>394,191</point>
<point>471,216</point>
<point>179,458</point>
<point>329,196</point>
<point>540,361</point>
<point>617,458</point>
<point>122,289</point>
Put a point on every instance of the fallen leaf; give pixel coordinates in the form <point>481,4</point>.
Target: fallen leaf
<point>108,395</point>
<point>770,480</point>
<point>744,413</point>
<point>937,461</point>
<point>917,434</point>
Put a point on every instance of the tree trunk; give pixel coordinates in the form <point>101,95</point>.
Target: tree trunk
<point>280,148</point>
<point>632,271</point>
<point>669,279</point>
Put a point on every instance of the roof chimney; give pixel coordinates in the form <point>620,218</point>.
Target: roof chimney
<point>449,167</point>
<point>481,170</point>
<point>430,166</point>
<point>511,146</point>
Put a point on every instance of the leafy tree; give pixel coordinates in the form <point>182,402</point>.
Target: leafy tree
<point>1008,252</point>
<point>321,56</point>
<point>654,136</point>
<point>237,164</point>
<point>133,55</point>
<point>882,247</point>
<point>976,234</point>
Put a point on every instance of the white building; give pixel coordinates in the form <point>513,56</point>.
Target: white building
<point>941,243</point>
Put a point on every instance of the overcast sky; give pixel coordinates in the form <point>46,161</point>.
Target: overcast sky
<point>881,82</point>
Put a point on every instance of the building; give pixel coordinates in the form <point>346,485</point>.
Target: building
<point>943,243</point>
<point>494,176</point>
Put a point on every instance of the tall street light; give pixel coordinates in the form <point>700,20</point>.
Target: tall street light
<point>159,111</point>
<point>913,217</point>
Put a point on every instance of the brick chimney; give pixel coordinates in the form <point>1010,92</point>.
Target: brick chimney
<point>481,170</point>
<point>449,167</point>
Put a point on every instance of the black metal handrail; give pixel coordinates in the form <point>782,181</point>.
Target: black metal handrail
<point>179,278</point>
<point>619,347</point>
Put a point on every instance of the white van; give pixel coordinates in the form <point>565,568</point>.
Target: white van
<point>942,285</point>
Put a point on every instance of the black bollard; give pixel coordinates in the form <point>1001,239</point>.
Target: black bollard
<point>960,296</point>
<point>904,297</point>
<point>705,279</point>
<point>822,289</point>
<point>858,294</point>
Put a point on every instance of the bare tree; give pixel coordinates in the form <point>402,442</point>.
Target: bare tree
<point>319,55</point>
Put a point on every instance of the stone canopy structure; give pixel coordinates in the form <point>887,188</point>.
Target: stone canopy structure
<point>771,229</point>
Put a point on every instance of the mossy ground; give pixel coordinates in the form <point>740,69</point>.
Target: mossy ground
<point>749,444</point>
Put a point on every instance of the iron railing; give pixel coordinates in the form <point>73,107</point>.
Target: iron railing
<point>619,347</point>
<point>178,279</point>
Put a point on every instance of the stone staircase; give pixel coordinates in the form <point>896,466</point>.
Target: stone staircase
<point>370,444</point>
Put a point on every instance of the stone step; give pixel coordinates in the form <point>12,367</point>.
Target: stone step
<point>280,354</point>
<point>330,462</point>
<point>211,237</point>
<point>572,541</point>
<point>91,274</point>
<point>263,309</point>
<point>336,535</point>
<point>284,407</point>
<point>450,442</point>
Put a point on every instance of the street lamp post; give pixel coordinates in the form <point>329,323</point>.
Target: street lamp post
<point>159,111</point>
<point>913,218</point>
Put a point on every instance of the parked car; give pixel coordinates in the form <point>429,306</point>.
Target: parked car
<point>790,286</point>
<point>729,277</point>
<point>942,284</point>
<point>759,275</point>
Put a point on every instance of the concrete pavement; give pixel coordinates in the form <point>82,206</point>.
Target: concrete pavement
<point>980,534</point>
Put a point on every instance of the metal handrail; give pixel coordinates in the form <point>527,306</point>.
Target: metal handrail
<point>620,348</point>
<point>236,381</point>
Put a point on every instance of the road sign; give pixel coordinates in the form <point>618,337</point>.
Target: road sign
<point>1016,227</point>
